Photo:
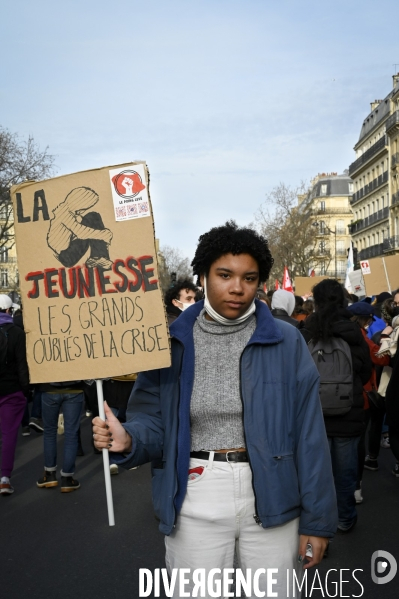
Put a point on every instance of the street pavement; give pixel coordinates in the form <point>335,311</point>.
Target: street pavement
<point>58,545</point>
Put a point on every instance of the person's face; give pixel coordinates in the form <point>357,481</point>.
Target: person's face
<point>186,296</point>
<point>232,284</point>
<point>367,323</point>
<point>396,299</point>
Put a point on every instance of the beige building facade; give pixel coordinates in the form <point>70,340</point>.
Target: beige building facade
<point>329,206</point>
<point>375,173</point>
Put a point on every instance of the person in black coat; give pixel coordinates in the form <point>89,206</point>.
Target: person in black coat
<point>392,408</point>
<point>331,319</point>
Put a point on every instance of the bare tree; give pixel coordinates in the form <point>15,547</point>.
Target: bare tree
<point>172,266</point>
<point>20,160</point>
<point>289,228</point>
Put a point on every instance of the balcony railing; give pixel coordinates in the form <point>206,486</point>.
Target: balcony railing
<point>340,252</point>
<point>395,160</point>
<point>371,252</point>
<point>395,198</point>
<point>392,122</point>
<point>343,210</point>
<point>370,187</point>
<point>391,243</point>
<point>375,148</point>
<point>369,220</point>
<point>7,259</point>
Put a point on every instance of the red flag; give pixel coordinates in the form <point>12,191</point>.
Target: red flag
<point>287,285</point>
<point>277,285</point>
<point>313,274</point>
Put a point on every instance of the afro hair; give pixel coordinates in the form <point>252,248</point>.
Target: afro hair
<point>231,239</point>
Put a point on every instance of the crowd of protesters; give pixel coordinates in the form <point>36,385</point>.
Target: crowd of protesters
<point>368,327</point>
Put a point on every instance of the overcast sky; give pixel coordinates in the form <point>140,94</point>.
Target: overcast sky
<point>224,99</point>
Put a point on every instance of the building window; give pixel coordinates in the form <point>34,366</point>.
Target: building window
<point>322,206</point>
<point>322,247</point>
<point>340,227</point>
<point>4,278</point>
<point>350,187</point>
<point>323,268</point>
<point>3,254</point>
<point>323,189</point>
<point>322,227</point>
<point>341,266</point>
<point>340,248</point>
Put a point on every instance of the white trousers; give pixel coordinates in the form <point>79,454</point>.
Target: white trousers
<point>217,520</point>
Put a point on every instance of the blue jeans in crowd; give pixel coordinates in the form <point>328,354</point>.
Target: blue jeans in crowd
<point>344,464</point>
<point>71,404</point>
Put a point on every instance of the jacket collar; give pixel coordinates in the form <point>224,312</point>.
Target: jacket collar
<point>280,311</point>
<point>267,331</point>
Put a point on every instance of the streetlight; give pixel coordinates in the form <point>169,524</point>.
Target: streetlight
<point>334,232</point>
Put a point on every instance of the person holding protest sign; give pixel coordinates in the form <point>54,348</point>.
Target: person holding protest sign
<point>14,389</point>
<point>234,428</point>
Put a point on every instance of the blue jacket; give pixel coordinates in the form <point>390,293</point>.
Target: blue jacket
<point>283,424</point>
<point>377,325</point>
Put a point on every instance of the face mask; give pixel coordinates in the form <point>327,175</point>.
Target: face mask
<point>221,319</point>
<point>184,305</point>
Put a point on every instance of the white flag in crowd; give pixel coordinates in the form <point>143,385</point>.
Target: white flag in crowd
<point>349,268</point>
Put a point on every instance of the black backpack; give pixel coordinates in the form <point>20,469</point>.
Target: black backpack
<point>333,360</point>
<point>4,344</point>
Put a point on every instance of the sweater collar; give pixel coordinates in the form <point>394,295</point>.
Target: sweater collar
<point>267,331</point>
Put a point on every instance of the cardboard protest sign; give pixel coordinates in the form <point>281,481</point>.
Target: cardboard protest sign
<point>383,275</point>
<point>392,267</point>
<point>304,285</point>
<point>365,267</point>
<point>88,269</point>
<point>357,283</point>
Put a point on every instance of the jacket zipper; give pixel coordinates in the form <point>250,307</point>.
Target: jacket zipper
<point>256,517</point>
<point>178,406</point>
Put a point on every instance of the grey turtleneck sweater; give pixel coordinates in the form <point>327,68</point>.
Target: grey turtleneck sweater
<point>216,408</point>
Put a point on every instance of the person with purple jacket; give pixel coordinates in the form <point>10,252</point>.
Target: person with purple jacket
<point>14,389</point>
